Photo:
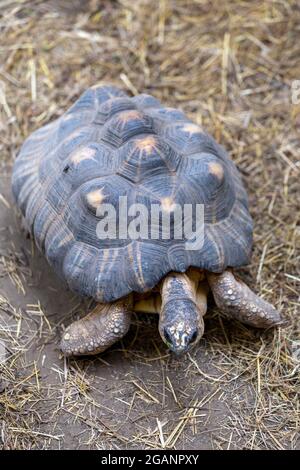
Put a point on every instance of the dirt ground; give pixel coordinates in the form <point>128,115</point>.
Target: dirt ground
<point>230,66</point>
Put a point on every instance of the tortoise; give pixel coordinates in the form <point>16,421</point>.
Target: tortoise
<point>109,145</point>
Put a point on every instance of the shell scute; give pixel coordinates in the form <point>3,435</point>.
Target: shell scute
<point>186,137</point>
<point>125,125</point>
<point>111,107</point>
<point>146,157</point>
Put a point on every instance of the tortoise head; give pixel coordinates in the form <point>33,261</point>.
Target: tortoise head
<point>181,325</point>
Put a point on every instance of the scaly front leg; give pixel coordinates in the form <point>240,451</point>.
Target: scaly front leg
<point>102,327</point>
<point>235,299</point>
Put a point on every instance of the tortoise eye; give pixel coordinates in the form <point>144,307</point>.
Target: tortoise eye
<point>194,336</point>
<point>167,336</point>
<point>66,168</point>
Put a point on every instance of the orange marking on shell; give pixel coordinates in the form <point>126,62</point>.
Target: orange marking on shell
<point>216,169</point>
<point>140,276</point>
<point>146,144</point>
<point>95,198</point>
<point>192,128</point>
<point>126,116</point>
<point>167,204</point>
<point>85,153</point>
<point>96,86</point>
<point>67,117</point>
<point>130,253</point>
<point>67,238</point>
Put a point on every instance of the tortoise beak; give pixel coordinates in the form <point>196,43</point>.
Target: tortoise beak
<point>180,342</point>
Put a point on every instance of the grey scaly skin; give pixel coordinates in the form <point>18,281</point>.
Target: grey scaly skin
<point>181,322</point>
<point>236,300</point>
<point>100,329</point>
<point>181,310</point>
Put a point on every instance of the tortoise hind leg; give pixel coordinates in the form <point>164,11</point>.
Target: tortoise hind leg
<point>235,298</point>
<point>101,328</point>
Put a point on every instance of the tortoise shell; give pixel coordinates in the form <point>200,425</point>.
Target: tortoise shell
<point>109,145</point>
